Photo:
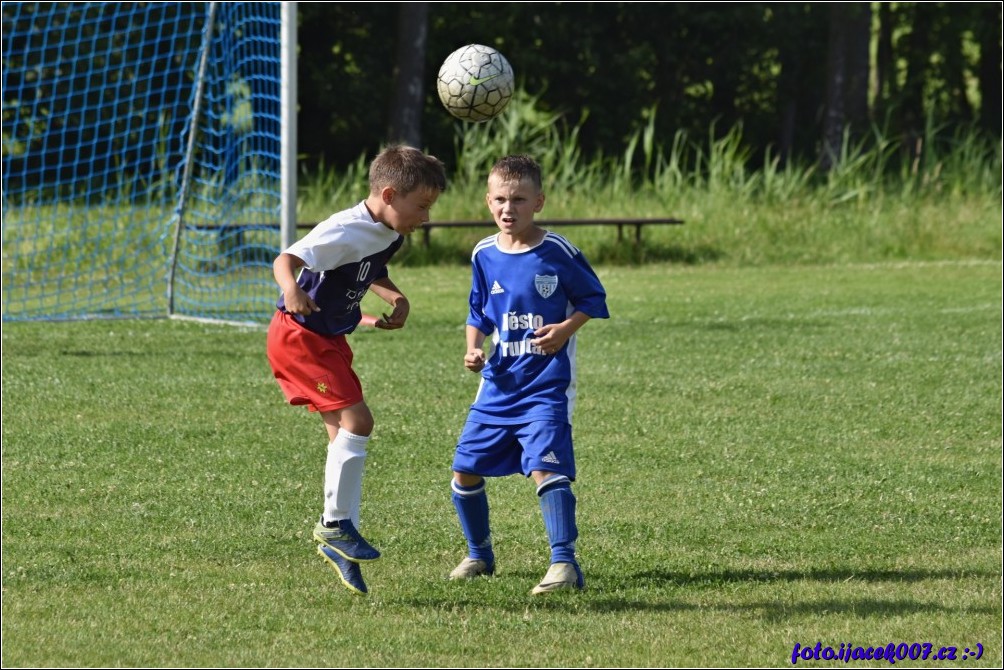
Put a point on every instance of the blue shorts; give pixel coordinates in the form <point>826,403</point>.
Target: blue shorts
<point>490,450</point>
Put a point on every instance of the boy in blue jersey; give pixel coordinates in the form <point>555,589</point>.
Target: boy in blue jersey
<point>531,291</point>
<point>323,278</point>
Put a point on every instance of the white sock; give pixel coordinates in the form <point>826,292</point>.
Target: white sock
<point>343,476</point>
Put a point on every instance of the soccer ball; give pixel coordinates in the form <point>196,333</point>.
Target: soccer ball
<point>475,83</point>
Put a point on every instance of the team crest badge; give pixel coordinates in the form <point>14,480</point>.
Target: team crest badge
<point>322,384</point>
<point>545,284</point>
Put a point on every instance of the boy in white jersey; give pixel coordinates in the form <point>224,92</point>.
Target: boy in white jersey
<point>531,291</point>
<point>338,261</point>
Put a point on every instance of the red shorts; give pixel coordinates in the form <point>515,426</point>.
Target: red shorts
<point>312,369</point>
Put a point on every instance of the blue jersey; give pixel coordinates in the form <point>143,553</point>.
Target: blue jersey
<point>343,255</point>
<point>512,294</point>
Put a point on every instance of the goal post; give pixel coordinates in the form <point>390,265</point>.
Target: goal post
<point>148,158</point>
<point>289,127</point>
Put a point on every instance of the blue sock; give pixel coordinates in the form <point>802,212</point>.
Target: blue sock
<point>557,504</point>
<point>472,510</point>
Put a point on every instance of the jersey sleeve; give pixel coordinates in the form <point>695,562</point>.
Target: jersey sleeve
<point>323,248</point>
<point>585,291</point>
<point>479,294</point>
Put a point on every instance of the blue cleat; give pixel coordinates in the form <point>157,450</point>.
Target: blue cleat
<point>346,541</point>
<point>349,573</point>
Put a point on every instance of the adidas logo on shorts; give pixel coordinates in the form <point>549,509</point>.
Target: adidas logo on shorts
<point>549,457</point>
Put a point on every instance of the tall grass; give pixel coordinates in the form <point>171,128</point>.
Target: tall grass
<point>938,196</point>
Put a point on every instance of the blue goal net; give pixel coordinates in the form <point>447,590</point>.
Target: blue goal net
<point>141,159</point>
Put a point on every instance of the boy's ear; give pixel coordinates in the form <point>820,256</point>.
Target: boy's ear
<point>540,203</point>
<point>387,194</point>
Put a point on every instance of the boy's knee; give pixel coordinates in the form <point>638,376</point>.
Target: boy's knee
<point>357,419</point>
<point>552,483</point>
<point>466,480</point>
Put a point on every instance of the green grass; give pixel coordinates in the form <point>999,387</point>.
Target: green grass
<point>768,455</point>
<point>883,202</point>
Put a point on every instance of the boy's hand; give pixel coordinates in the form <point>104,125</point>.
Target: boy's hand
<point>397,317</point>
<point>298,302</point>
<point>551,338</point>
<point>474,360</point>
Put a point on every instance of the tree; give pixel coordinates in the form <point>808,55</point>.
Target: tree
<point>846,77</point>
<point>989,32</point>
<point>406,100</point>
<point>794,75</point>
<point>885,72</point>
<point>798,29</point>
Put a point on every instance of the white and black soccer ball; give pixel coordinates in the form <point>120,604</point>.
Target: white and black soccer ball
<point>475,83</point>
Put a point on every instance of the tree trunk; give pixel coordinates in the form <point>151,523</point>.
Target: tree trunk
<point>858,39</point>
<point>836,80</point>
<point>787,88</point>
<point>990,70</point>
<point>846,77</point>
<point>407,99</point>
<point>917,54</point>
<point>885,75</point>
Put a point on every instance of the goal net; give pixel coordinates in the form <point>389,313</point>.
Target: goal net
<point>142,151</point>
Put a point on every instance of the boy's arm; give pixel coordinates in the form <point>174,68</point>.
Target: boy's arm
<point>284,270</point>
<point>386,290</point>
<point>474,359</point>
<point>552,337</point>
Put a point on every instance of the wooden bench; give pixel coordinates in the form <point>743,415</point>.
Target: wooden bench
<point>558,223</point>
<point>231,235</point>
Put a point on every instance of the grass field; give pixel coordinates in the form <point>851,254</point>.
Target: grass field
<point>767,456</point>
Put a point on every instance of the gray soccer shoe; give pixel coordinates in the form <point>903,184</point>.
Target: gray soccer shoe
<point>560,576</point>
<point>470,568</point>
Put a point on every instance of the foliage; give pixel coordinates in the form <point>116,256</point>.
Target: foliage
<point>939,198</point>
<point>759,65</point>
<point>602,68</point>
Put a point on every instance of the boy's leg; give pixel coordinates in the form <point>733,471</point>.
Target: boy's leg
<point>316,370</point>
<point>349,430</point>
<point>548,457</point>
<point>471,503</point>
<point>490,451</point>
<point>343,475</point>
<point>557,505</point>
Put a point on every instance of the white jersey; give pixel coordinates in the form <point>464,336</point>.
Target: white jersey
<point>512,294</point>
<point>343,255</point>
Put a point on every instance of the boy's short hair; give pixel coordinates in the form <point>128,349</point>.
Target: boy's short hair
<point>516,168</point>
<point>406,169</point>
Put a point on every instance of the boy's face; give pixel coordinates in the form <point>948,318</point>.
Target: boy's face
<point>513,204</point>
<point>405,213</point>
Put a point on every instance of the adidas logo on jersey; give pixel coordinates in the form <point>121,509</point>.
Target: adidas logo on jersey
<point>549,457</point>
<point>496,289</point>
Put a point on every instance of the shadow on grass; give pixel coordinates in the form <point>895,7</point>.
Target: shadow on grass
<point>652,591</point>
<point>716,577</point>
<point>417,254</point>
<point>774,611</point>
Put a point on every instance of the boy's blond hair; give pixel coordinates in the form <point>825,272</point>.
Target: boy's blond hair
<point>516,168</point>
